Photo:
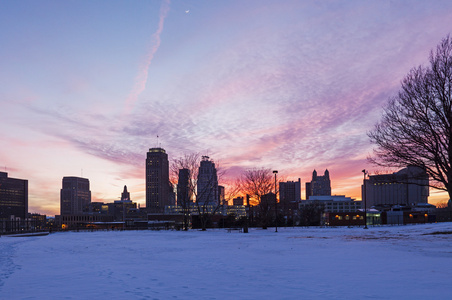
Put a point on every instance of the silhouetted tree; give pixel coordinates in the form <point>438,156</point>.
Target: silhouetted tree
<point>196,197</point>
<point>442,204</point>
<point>233,189</point>
<point>416,124</point>
<point>259,183</point>
<point>190,163</point>
<point>311,213</point>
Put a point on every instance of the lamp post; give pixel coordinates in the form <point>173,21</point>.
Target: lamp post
<point>247,212</point>
<point>276,204</point>
<point>123,214</point>
<point>365,198</point>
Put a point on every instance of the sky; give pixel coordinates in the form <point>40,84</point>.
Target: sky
<point>87,86</point>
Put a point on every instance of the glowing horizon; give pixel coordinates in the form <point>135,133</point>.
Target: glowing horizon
<point>292,86</point>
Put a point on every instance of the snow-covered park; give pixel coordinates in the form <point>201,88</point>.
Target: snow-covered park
<point>398,262</point>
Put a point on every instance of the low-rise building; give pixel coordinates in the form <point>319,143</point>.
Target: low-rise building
<point>355,218</point>
<point>337,203</point>
<point>239,211</point>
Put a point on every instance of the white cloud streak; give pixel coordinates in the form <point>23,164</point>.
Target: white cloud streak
<point>142,77</point>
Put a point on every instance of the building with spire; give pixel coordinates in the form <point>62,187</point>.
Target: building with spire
<point>125,196</point>
<point>120,209</point>
<point>157,180</point>
<point>319,185</point>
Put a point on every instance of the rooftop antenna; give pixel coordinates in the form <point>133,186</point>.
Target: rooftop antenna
<point>158,144</point>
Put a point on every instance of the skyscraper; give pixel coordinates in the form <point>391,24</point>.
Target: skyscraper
<point>183,188</point>
<point>13,197</point>
<point>157,180</point>
<point>319,185</point>
<point>207,183</point>
<point>75,196</point>
<point>290,191</point>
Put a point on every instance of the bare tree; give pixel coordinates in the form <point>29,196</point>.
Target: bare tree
<point>311,214</point>
<point>442,204</point>
<point>202,188</point>
<point>258,184</point>
<point>233,189</point>
<point>189,164</point>
<point>416,125</point>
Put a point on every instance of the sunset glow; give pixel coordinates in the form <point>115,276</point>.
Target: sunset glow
<point>288,85</point>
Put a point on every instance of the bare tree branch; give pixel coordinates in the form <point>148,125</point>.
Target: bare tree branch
<point>416,125</point>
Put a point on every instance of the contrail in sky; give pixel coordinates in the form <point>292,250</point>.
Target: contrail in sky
<point>142,77</point>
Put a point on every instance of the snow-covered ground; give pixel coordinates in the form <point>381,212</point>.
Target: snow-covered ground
<point>400,262</point>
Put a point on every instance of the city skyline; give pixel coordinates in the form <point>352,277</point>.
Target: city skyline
<point>292,86</point>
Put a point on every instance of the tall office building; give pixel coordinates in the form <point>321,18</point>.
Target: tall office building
<point>75,196</point>
<point>207,183</point>
<point>157,180</point>
<point>290,191</point>
<point>13,197</point>
<point>183,188</point>
<point>319,185</point>
<point>171,194</point>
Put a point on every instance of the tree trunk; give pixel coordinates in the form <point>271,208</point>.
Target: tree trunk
<point>449,173</point>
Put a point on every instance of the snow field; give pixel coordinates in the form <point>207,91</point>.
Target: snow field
<point>400,262</point>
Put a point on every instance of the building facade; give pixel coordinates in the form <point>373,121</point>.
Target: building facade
<point>13,197</point>
<point>221,195</point>
<point>237,201</point>
<point>290,191</point>
<point>207,188</point>
<point>319,185</point>
<point>183,188</point>
<point>75,196</point>
<point>407,187</point>
<point>336,203</point>
<point>157,180</point>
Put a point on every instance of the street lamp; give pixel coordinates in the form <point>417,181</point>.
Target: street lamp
<point>276,204</point>
<point>364,199</point>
